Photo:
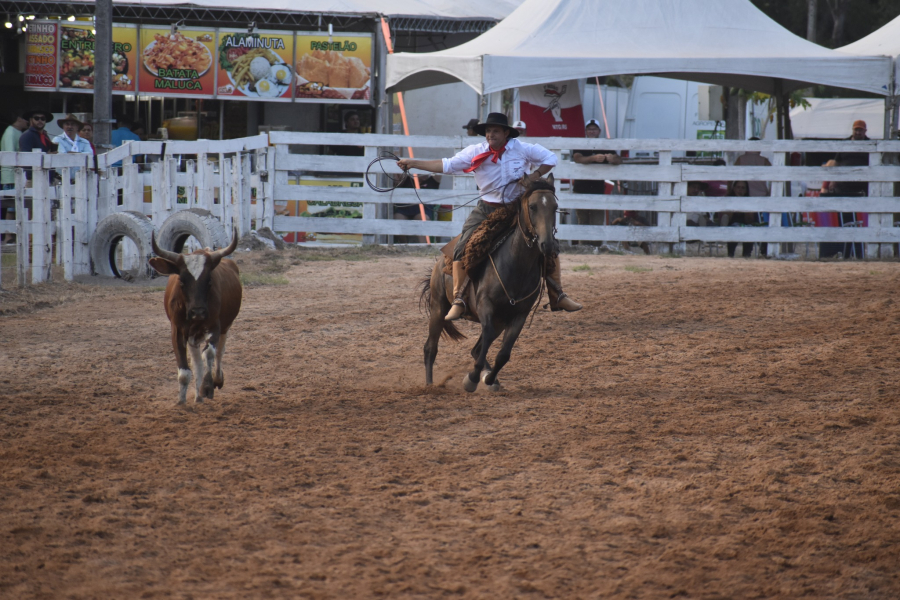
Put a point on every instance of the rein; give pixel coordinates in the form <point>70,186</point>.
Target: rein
<point>511,301</point>
<point>523,208</point>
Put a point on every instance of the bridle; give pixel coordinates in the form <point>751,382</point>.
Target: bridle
<point>531,237</point>
<point>528,231</point>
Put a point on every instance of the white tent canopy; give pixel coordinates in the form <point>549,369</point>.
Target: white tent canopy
<point>832,118</point>
<point>727,42</point>
<point>456,9</point>
<point>883,41</point>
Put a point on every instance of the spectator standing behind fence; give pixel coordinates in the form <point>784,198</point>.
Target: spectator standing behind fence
<point>753,159</point>
<point>853,159</point>
<point>69,141</point>
<point>521,128</point>
<point>592,130</point>
<point>87,132</point>
<point>35,138</point>
<point>741,189</point>
<point>10,143</point>
<point>470,127</point>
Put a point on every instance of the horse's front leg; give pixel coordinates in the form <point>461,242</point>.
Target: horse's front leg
<point>488,335</point>
<point>476,351</point>
<point>509,339</point>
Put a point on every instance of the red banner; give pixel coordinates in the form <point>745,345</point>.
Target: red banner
<point>552,110</point>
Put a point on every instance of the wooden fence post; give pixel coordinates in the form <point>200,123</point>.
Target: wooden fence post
<point>664,188</point>
<point>246,196</point>
<point>268,193</point>
<point>65,234</point>
<point>81,239</point>
<point>878,221</point>
<point>23,230</point>
<point>42,232</point>
<point>679,219</point>
<point>777,191</point>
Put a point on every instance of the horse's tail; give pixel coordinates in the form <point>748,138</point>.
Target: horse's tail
<point>449,329</point>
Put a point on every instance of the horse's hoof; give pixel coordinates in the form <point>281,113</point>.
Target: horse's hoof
<point>492,387</point>
<point>468,384</point>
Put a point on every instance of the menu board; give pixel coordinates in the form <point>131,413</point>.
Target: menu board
<point>76,58</point>
<point>178,64</point>
<point>255,65</point>
<point>334,69</point>
<point>40,56</point>
<point>270,66</point>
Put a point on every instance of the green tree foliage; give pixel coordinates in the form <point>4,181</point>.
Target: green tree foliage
<point>839,22</point>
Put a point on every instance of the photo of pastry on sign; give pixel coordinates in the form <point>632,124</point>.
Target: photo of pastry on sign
<point>328,74</point>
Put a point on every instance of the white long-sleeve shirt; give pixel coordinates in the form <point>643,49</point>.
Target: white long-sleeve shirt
<point>518,159</point>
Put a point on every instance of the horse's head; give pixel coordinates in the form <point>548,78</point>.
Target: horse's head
<point>539,214</point>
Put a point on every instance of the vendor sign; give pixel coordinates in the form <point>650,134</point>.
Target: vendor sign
<point>178,64</point>
<point>255,65</point>
<point>76,58</point>
<point>552,109</point>
<point>334,69</point>
<point>40,56</point>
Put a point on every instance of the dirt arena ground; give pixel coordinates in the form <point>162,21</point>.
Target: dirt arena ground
<point>704,428</point>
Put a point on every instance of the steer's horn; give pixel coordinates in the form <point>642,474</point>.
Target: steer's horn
<point>220,254</point>
<point>172,257</point>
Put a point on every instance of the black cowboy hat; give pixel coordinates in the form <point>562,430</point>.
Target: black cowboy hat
<point>471,124</point>
<point>47,114</point>
<point>496,119</point>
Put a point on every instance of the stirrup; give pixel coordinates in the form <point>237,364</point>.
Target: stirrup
<point>458,302</point>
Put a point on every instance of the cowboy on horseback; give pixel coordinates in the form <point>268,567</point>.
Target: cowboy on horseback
<point>499,163</point>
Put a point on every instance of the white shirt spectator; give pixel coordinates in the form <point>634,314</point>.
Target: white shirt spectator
<point>518,159</point>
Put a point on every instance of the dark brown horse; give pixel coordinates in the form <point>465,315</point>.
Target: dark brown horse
<point>504,289</point>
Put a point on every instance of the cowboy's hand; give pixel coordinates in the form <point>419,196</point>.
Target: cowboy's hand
<point>404,163</point>
<point>534,176</point>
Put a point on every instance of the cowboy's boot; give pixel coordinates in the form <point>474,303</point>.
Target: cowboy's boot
<point>559,300</point>
<point>460,282</point>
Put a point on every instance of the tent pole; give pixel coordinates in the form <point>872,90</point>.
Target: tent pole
<point>389,46</point>
<point>779,110</point>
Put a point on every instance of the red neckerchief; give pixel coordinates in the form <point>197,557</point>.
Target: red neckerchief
<point>491,153</point>
<point>44,139</point>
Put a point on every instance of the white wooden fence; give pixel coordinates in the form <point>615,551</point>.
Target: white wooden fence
<point>671,203</point>
<point>220,176</point>
<point>54,223</point>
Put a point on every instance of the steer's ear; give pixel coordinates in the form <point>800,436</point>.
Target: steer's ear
<point>163,267</point>
<point>550,179</point>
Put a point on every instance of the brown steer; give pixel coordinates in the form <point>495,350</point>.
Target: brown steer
<point>203,297</point>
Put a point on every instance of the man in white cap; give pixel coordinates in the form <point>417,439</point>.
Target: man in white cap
<point>520,127</point>
<point>498,164</point>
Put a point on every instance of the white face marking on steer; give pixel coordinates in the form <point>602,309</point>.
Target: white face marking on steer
<point>195,264</point>
<point>544,200</point>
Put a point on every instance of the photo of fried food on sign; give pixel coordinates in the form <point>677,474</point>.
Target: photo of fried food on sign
<point>255,65</point>
<point>177,63</point>
<point>338,69</point>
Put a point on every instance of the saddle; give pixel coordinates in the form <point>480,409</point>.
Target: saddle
<point>484,240</point>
